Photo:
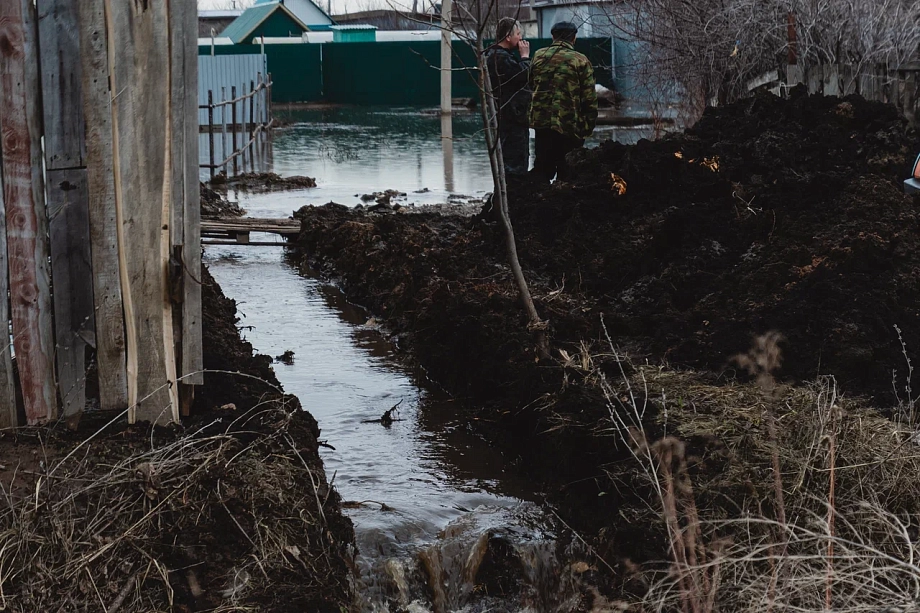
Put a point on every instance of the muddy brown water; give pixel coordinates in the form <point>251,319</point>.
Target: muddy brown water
<point>432,503</point>
<point>446,491</point>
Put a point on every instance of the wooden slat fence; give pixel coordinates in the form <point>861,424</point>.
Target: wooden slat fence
<point>898,85</point>
<point>237,126</point>
<point>121,296</point>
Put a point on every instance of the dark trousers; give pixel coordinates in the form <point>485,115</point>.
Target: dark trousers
<point>515,141</point>
<point>550,149</point>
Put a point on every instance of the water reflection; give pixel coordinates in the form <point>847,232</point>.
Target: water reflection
<point>360,150</point>
<point>447,147</point>
<point>428,468</point>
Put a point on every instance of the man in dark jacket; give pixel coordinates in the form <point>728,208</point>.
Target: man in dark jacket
<point>564,108</point>
<point>508,75</point>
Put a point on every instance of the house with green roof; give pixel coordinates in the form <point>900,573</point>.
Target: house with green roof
<point>277,18</point>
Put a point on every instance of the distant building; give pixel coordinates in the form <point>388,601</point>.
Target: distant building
<point>264,20</point>
<point>216,21</point>
<point>306,11</point>
<point>390,20</point>
<point>594,18</point>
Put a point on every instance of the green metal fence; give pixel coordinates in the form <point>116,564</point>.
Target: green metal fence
<point>383,73</point>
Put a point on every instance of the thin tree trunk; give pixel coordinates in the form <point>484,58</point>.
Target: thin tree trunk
<point>500,196</point>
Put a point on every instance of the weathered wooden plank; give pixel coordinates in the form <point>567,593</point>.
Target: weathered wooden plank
<point>62,101</point>
<point>26,218</point>
<point>183,22</point>
<point>71,270</point>
<point>97,108</point>
<point>8,412</point>
<point>139,69</point>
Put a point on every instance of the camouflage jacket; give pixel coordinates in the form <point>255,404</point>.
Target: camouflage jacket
<point>564,98</point>
<point>509,85</point>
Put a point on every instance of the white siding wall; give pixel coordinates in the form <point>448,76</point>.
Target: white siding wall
<point>592,20</point>
<point>307,12</point>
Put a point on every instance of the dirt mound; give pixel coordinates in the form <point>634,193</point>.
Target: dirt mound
<point>767,215</point>
<point>214,204</point>
<point>263,181</point>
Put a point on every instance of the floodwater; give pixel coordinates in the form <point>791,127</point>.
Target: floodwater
<point>354,151</point>
<point>429,493</point>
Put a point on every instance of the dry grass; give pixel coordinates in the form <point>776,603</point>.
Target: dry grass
<point>770,497</point>
<point>223,517</point>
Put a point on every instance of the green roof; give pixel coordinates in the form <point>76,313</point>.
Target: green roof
<point>321,10</point>
<point>247,23</point>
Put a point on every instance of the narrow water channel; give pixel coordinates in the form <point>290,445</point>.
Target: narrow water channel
<point>431,502</point>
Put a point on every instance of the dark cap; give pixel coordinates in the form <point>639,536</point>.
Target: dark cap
<point>564,29</point>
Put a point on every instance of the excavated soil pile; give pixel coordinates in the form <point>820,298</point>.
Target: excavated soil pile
<point>230,511</point>
<point>768,215</point>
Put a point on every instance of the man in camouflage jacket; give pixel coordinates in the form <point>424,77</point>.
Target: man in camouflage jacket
<point>564,108</point>
<point>508,75</point>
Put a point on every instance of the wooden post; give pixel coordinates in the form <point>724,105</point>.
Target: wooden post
<point>446,59</point>
<point>103,238</point>
<point>252,125</point>
<point>26,216</point>
<point>261,93</point>
<point>268,98</point>
<point>792,52</point>
<point>8,410</point>
<point>139,67</point>
<point>68,198</point>
<point>211,130</point>
<point>233,118</point>
<point>223,128</point>
<point>244,129</point>
<point>184,24</point>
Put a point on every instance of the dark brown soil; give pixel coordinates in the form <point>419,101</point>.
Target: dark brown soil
<point>263,182</point>
<point>768,215</point>
<point>214,204</point>
<point>230,510</point>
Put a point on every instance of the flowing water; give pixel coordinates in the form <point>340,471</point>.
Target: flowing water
<point>437,511</point>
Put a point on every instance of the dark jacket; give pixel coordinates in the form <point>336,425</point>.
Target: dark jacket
<point>509,76</point>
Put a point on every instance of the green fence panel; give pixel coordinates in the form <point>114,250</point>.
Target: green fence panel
<point>385,73</point>
<point>297,72</point>
<point>296,69</point>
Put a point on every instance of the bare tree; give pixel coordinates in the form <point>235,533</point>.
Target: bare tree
<point>712,48</point>
<point>472,22</point>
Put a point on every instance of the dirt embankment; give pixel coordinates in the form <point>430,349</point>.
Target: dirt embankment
<point>768,215</point>
<point>229,511</point>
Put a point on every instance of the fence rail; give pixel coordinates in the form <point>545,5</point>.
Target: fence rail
<point>238,153</point>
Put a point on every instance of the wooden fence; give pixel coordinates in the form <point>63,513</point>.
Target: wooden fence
<point>244,124</point>
<point>897,85</point>
<point>100,240</point>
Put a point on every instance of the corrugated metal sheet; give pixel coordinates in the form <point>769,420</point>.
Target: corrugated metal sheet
<point>385,73</point>
<point>227,71</point>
